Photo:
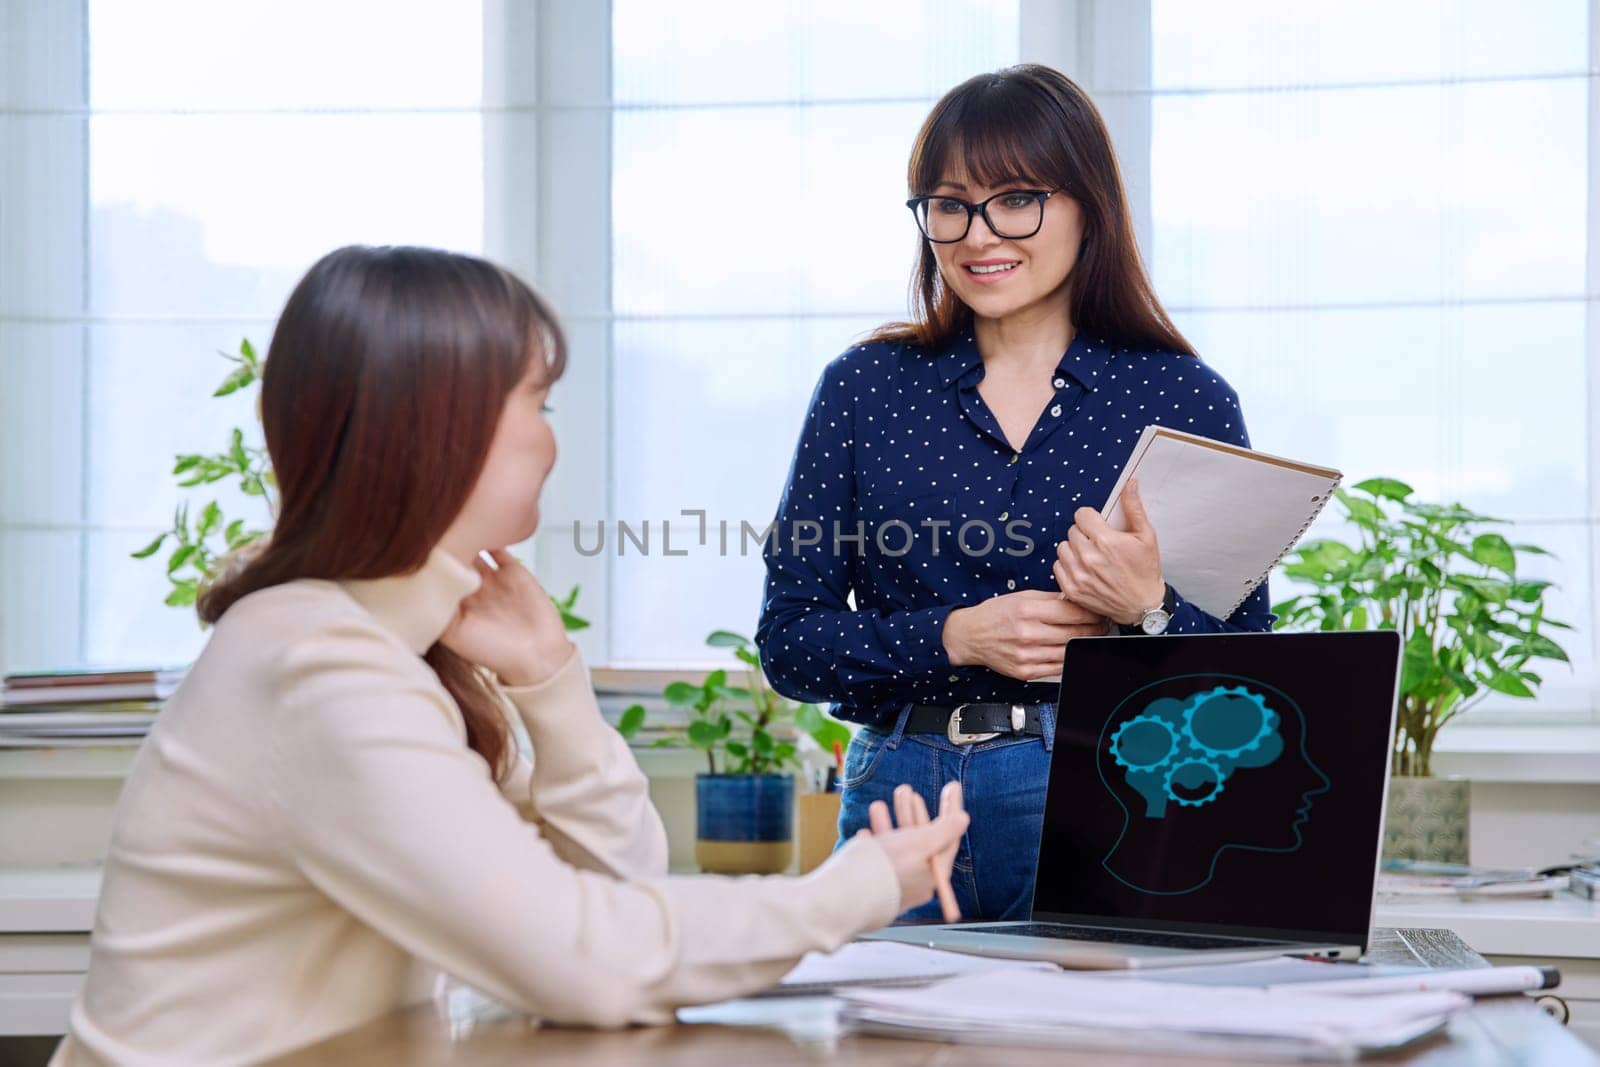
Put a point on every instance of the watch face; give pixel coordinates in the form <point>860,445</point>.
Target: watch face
<point>1155,622</point>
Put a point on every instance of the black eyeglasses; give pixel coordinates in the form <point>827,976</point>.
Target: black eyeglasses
<point>1012,215</point>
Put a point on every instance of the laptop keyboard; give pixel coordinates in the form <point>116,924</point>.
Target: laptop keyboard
<point>1123,937</point>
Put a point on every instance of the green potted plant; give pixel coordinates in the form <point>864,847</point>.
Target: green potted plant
<point>744,800</point>
<point>1470,626</point>
<point>200,542</point>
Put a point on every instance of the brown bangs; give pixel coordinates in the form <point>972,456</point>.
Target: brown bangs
<point>988,138</point>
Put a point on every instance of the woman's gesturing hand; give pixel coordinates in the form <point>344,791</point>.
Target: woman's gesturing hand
<point>1110,572</point>
<point>509,625</point>
<point>1021,635</point>
<point>922,850</point>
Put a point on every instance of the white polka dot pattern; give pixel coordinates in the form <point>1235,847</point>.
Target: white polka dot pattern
<point>902,460</point>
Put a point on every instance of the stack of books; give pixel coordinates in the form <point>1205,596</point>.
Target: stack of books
<point>1584,878</point>
<point>1419,878</point>
<point>81,707</point>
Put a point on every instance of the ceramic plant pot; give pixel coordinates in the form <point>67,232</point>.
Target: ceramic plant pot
<point>744,823</point>
<point>1427,819</point>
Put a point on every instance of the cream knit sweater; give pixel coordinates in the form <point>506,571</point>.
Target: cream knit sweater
<point>306,840</point>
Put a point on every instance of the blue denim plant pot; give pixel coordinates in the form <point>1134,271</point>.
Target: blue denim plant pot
<point>744,822</point>
<point>743,807</point>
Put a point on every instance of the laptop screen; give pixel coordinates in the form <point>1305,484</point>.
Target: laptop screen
<point>1232,782</point>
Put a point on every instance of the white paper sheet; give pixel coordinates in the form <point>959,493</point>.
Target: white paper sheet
<point>889,963</point>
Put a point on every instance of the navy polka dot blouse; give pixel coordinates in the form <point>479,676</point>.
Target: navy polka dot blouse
<point>905,501</point>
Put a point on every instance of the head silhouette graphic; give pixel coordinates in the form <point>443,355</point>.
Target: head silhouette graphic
<point>1201,764</point>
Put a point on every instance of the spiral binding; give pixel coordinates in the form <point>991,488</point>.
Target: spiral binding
<point>1252,584</point>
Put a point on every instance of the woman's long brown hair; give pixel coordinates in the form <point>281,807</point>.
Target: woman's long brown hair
<point>383,386</point>
<point>1031,123</point>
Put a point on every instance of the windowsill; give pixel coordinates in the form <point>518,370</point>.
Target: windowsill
<point>1532,753</point>
<point>1566,754</point>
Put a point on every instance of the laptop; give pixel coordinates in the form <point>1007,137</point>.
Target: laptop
<point>1212,798</point>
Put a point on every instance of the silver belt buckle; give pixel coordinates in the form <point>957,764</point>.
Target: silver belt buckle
<point>952,729</point>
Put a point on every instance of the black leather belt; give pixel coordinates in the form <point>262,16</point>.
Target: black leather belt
<point>964,724</point>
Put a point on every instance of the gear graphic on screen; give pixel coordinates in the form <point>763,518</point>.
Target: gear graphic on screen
<point>1182,751</point>
<point>1228,721</point>
<point>1145,743</point>
<point>1195,774</point>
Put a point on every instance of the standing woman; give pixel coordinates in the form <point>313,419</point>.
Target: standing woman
<point>939,541</point>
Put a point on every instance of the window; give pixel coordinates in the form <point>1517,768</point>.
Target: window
<point>1376,223</point>
<point>216,152</point>
<point>758,171</point>
<point>1375,219</point>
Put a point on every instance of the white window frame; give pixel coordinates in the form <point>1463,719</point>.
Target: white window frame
<point>548,112</point>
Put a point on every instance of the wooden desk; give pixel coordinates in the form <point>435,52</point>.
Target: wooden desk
<point>804,1031</point>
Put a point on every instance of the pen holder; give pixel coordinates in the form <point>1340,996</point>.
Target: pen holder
<point>819,828</point>
<point>744,823</point>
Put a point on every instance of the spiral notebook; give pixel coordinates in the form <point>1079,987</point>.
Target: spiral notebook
<point>1224,515</point>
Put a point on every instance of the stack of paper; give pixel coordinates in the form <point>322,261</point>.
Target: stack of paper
<point>888,963</point>
<point>1037,1007</point>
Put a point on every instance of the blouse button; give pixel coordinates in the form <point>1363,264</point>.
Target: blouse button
<point>1060,383</point>
<point>954,678</point>
<point>1015,456</point>
<point>1055,411</point>
<point>1011,583</point>
<point>1004,515</point>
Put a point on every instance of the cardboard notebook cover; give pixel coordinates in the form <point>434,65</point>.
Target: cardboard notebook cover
<point>1224,515</point>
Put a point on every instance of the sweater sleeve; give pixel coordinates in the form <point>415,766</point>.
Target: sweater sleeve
<point>814,646</point>
<point>381,806</point>
<point>583,789</point>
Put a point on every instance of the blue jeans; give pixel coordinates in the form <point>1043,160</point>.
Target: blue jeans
<point>1002,783</point>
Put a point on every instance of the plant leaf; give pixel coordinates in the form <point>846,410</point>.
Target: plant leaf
<point>237,379</point>
<point>183,554</point>
<point>808,718</point>
<point>149,550</point>
<point>1389,488</point>
<point>1541,647</point>
<point>1529,590</point>
<point>183,593</point>
<point>210,516</point>
<point>830,732</point>
<point>681,693</point>
<point>1494,551</point>
<point>727,639</point>
<point>703,734</point>
<point>1509,684</point>
<point>1417,663</point>
<point>632,719</point>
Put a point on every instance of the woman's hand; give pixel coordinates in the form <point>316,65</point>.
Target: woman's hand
<point>1021,635</point>
<point>1110,572</point>
<point>509,625</point>
<point>921,850</point>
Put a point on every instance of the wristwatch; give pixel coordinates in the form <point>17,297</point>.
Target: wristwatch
<point>1155,620</point>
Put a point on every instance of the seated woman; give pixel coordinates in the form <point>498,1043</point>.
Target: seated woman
<point>331,808</point>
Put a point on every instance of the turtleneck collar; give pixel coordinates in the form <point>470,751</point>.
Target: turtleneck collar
<point>420,606</point>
